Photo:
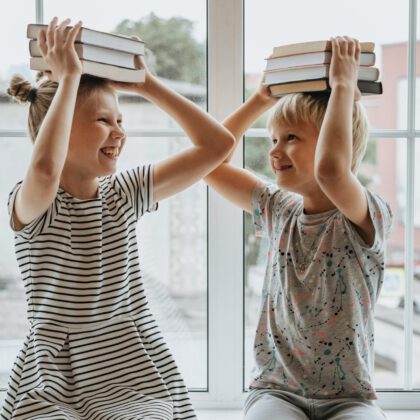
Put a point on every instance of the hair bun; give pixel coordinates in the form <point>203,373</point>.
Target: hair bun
<point>19,88</point>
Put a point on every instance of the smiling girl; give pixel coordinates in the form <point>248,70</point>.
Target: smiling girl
<point>94,350</point>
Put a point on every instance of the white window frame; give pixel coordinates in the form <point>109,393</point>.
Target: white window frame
<point>225,222</point>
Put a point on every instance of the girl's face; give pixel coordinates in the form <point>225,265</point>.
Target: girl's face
<point>97,136</point>
<point>292,156</point>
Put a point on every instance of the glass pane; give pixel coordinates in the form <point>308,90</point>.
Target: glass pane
<point>12,294</point>
<point>307,20</point>
<point>382,171</point>
<point>175,34</point>
<point>15,58</point>
<point>416,321</point>
<point>173,254</point>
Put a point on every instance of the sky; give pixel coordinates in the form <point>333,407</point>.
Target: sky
<point>267,22</point>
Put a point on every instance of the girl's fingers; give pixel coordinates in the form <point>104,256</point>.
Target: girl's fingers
<point>42,44</point>
<point>58,34</point>
<point>50,32</point>
<point>71,36</point>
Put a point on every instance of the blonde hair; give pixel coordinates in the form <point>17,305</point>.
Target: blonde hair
<point>309,108</point>
<point>42,93</point>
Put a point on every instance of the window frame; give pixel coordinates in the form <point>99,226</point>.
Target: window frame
<point>225,68</point>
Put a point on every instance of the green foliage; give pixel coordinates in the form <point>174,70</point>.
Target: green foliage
<point>174,53</point>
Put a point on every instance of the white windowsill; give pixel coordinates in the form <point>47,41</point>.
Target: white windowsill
<point>238,415</point>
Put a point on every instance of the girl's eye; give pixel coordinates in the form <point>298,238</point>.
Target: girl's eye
<point>102,119</point>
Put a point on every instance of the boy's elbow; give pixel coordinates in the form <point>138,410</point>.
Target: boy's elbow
<point>227,144</point>
<point>330,170</point>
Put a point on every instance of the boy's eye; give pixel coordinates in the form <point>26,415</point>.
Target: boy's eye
<point>274,141</point>
<point>291,137</point>
<point>102,119</point>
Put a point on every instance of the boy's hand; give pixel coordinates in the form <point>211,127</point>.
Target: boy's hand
<point>58,51</point>
<point>140,88</point>
<point>263,92</point>
<point>345,63</point>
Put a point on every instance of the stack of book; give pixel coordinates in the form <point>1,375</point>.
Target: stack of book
<point>304,67</point>
<point>101,54</point>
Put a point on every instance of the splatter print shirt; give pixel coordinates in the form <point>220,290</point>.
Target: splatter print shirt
<point>315,333</point>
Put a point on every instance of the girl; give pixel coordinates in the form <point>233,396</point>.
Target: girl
<point>313,348</point>
<point>94,350</point>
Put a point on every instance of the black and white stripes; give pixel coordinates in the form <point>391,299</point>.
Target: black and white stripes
<point>94,351</point>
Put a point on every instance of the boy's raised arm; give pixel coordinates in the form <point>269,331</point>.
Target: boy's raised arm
<point>333,157</point>
<point>234,183</point>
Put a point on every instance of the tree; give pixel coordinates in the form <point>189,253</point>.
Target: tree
<point>173,53</point>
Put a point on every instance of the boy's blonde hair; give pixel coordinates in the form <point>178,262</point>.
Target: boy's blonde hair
<point>41,95</point>
<point>298,108</point>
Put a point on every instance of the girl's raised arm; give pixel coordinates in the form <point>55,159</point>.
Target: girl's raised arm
<point>42,179</point>
<point>211,141</point>
<point>234,183</point>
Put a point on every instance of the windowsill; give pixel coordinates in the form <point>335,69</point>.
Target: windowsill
<point>238,415</point>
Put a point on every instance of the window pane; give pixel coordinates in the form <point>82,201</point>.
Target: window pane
<point>382,171</point>
<point>12,294</point>
<point>175,34</point>
<point>173,257</point>
<point>268,24</point>
<point>416,321</point>
<point>15,58</point>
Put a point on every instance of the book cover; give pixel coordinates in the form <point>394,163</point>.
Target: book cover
<point>93,37</point>
<point>313,46</point>
<point>93,53</point>
<point>313,72</point>
<point>321,85</point>
<point>310,59</point>
<point>107,71</point>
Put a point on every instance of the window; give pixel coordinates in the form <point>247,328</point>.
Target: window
<point>389,167</point>
<point>220,264</point>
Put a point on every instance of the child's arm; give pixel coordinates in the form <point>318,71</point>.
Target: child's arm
<point>333,155</point>
<point>211,141</point>
<point>234,183</point>
<point>42,179</point>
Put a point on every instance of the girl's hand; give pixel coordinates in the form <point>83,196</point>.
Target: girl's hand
<point>345,64</point>
<point>59,52</point>
<point>140,88</point>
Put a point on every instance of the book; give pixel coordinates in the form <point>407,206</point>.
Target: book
<point>313,46</point>
<point>107,71</point>
<point>93,37</point>
<point>322,85</point>
<point>308,59</point>
<point>295,74</point>
<point>93,53</point>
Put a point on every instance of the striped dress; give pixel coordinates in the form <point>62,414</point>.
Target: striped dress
<point>93,351</point>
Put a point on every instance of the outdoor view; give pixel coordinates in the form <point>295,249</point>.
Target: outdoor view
<point>174,259</point>
<point>383,169</point>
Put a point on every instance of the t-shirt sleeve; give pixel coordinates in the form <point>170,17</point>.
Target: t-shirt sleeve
<point>265,198</point>
<point>38,225</point>
<point>381,216</point>
<point>137,184</point>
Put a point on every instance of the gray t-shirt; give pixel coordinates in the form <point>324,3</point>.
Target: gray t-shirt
<point>315,330</point>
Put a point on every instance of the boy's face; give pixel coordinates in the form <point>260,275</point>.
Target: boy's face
<point>97,136</point>
<point>292,156</point>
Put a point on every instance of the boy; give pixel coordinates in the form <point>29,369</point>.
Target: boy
<point>313,347</point>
